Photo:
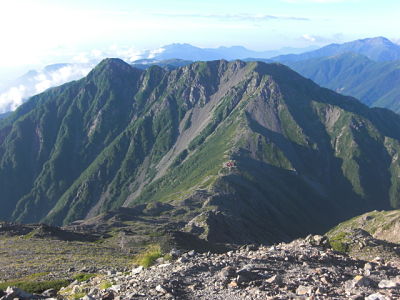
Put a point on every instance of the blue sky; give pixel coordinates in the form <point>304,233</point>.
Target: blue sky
<point>39,32</point>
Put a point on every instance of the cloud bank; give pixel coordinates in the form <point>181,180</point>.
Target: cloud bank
<point>36,82</point>
<point>12,98</point>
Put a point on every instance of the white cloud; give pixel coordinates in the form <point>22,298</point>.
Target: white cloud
<point>309,38</point>
<point>81,58</point>
<point>128,54</point>
<point>96,53</point>
<point>60,76</point>
<point>155,52</point>
<point>317,39</point>
<point>14,96</point>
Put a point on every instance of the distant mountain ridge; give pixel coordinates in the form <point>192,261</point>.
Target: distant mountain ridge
<point>378,49</point>
<point>255,151</point>
<point>192,53</point>
<point>374,83</point>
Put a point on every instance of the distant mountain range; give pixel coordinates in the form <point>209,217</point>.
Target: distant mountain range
<point>374,83</point>
<point>250,152</point>
<point>192,53</point>
<point>378,49</point>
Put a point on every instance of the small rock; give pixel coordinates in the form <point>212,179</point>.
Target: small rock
<point>363,281</point>
<point>246,276</point>
<point>160,260</point>
<point>376,296</point>
<point>325,280</point>
<point>319,240</point>
<point>275,279</point>
<point>49,293</point>
<point>191,253</point>
<point>108,296</point>
<point>357,297</point>
<point>195,286</point>
<point>251,247</point>
<point>137,270</point>
<point>368,266</point>
<point>175,253</point>
<point>233,284</point>
<point>226,273</point>
<point>182,259</point>
<point>116,288</point>
<point>304,290</point>
<point>379,260</point>
<point>161,289</point>
<point>388,284</point>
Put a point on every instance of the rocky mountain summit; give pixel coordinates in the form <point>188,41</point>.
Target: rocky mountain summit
<point>265,154</point>
<point>303,269</point>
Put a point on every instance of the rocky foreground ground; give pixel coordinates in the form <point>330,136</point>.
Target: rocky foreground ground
<point>303,269</point>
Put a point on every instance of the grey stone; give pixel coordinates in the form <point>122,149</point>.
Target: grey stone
<point>161,289</point>
<point>246,276</point>
<point>363,281</point>
<point>50,293</point>
<point>137,270</point>
<point>368,266</point>
<point>304,290</point>
<point>275,279</point>
<point>227,273</point>
<point>388,284</point>
<point>377,296</point>
<point>175,252</point>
